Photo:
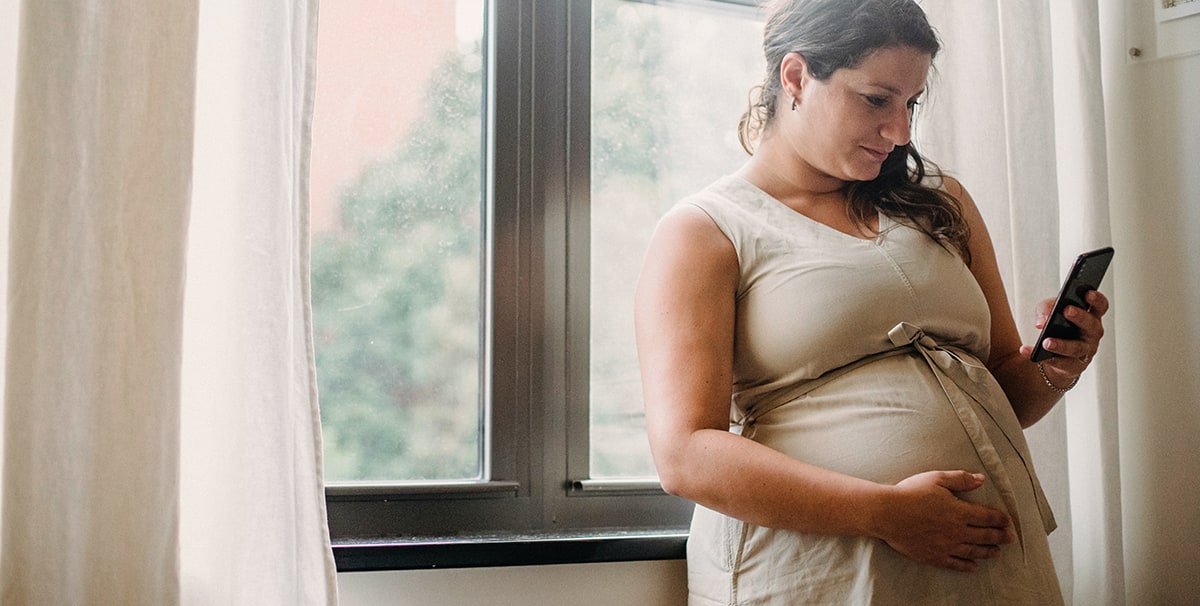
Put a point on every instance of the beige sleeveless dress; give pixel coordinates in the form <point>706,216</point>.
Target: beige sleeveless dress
<point>864,357</point>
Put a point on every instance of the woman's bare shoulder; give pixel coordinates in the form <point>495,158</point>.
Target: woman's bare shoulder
<point>693,228</point>
<point>688,241</point>
<point>953,186</point>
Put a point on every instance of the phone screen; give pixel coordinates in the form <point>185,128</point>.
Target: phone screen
<point>1086,274</point>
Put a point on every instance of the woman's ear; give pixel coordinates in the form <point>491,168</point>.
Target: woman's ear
<point>793,75</point>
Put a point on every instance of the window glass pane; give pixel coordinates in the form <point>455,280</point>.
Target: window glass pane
<point>396,224</point>
<point>669,83</point>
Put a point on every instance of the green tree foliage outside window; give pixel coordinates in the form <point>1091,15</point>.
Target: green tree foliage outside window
<point>396,299</point>
<point>396,295</point>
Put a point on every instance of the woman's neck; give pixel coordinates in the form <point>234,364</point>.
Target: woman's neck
<point>791,181</point>
<point>807,191</point>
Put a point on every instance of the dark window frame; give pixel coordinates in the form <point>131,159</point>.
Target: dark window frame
<point>538,505</point>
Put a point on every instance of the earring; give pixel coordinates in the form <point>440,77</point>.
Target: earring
<point>793,104</point>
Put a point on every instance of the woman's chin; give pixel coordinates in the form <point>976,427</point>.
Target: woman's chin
<point>864,173</point>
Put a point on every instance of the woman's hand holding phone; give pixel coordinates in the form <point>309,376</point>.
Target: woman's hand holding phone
<point>1071,356</point>
<point>1071,324</point>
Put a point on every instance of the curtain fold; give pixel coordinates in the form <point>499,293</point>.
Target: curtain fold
<point>102,148</point>
<point>1091,409</point>
<point>8,97</point>
<point>161,436</point>
<point>250,415</point>
<point>1016,114</point>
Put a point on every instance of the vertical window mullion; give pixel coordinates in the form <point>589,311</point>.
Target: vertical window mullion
<point>509,313</point>
<point>547,109</point>
<point>578,238</point>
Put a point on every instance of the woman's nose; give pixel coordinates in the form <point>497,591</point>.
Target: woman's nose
<point>898,129</point>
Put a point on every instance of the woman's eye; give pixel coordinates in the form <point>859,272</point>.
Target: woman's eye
<point>876,101</point>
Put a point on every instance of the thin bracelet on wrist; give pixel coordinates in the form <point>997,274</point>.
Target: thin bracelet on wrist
<point>1056,388</point>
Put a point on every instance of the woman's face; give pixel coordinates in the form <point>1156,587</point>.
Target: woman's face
<point>846,126</point>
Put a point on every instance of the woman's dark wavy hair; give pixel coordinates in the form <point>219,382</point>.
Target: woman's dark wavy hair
<point>837,34</point>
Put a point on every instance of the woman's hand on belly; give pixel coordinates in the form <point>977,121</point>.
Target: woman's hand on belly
<point>926,521</point>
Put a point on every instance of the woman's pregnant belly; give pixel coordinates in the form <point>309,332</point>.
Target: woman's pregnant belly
<point>883,422</point>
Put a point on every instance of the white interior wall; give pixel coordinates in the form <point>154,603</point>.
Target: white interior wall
<point>640,583</point>
<point>1153,108</point>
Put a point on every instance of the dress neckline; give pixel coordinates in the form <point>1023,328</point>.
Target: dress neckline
<point>884,222</point>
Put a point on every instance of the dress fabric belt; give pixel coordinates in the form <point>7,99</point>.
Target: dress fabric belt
<point>963,380</point>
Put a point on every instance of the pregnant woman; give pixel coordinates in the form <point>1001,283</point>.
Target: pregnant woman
<point>837,302</point>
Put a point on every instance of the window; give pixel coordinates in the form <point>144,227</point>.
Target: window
<point>476,244</point>
<point>669,82</point>
<point>397,184</point>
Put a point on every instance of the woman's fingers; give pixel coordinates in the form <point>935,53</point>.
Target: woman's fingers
<point>959,564</point>
<point>1074,355</point>
<point>992,536</point>
<point>932,524</point>
<point>1098,302</point>
<point>968,551</point>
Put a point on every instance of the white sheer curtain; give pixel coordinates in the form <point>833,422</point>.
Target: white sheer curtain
<point>8,84</point>
<point>161,437</point>
<point>1016,113</point>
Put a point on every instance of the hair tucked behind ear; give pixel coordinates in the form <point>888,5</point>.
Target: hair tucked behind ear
<point>837,34</point>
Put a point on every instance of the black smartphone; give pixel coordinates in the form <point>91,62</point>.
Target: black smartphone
<point>1086,273</point>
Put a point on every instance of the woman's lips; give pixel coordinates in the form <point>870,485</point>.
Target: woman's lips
<point>879,156</point>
